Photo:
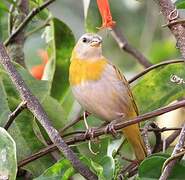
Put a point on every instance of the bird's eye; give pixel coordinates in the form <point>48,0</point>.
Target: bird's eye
<point>84,40</point>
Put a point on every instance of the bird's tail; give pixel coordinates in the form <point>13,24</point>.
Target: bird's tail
<point>133,135</point>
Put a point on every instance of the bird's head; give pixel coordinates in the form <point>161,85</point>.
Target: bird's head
<point>89,46</point>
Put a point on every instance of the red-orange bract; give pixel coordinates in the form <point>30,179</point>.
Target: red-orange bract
<point>103,6</point>
<point>37,71</point>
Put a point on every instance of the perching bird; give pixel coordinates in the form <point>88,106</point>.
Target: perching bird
<point>102,90</point>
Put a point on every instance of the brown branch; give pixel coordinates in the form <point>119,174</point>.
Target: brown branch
<point>27,19</point>
<point>14,114</point>
<point>124,45</point>
<point>168,141</point>
<point>153,67</point>
<point>35,107</point>
<point>146,139</point>
<point>72,123</point>
<point>167,170</point>
<point>170,13</point>
<point>101,131</point>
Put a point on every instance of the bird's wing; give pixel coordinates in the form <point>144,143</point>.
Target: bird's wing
<point>121,77</point>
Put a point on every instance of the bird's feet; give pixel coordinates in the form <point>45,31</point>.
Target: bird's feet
<point>110,129</point>
<point>89,134</point>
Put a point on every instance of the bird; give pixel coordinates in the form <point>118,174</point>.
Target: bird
<point>102,90</point>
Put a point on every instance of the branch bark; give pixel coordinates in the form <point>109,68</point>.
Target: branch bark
<point>101,131</point>
<point>124,45</point>
<point>15,48</point>
<point>170,13</point>
<point>35,107</point>
<point>14,114</point>
<point>154,67</point>
<point>27,19</point>
<point>167,170</point>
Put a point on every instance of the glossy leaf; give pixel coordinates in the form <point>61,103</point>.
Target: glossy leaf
<point>108,165</point>
<point>8,160</point>
<point>155,89</point>
<point>4,109</point>
<point>151,168</point>
<point>60,48</point>
<point>22,130</point>
<point>62,170</point>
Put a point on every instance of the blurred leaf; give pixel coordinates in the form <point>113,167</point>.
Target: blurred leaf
<point>8,160</point>
<point>151,168</point>
<point>56,115</point>
<point>155,89</point>
<point>27,143</point>
<point>4,109</point>
<point>180,4</point>
<point>39,88</point>
<point>60,52</point>
<point>3,7</point>
<point>93,18</point>
<point>161,50</point>
<point>55,112</point>
<point>62,170</point>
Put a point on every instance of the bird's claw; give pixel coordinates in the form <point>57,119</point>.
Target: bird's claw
<point>110,129</point>
<point>89,134</point>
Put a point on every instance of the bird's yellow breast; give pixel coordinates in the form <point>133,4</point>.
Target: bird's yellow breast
<point>85,70</point>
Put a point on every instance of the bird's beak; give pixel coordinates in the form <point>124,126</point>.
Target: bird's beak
<point>96,42</point>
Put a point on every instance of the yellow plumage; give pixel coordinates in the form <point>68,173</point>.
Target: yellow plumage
<point>81,70</point>
<point>102,90</point>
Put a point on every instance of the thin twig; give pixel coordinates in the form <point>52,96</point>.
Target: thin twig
<point>167,170</point>
<point>101,131</point>
<point>14,114</point>
<point>37,110</point>
<point>176,156</point>
<point>170,12</point>
<point>162,129</point>
<point>28,18</point>
<point>174,22</point>
<point>124,45</point>
<point>17,15</point>
<point>146,139</point>
<point>42,26</point>
<point>168,141</point>
<point>72,123</point>
<point>153,67</point>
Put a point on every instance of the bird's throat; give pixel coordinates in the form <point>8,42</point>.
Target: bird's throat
<point>82,70</point>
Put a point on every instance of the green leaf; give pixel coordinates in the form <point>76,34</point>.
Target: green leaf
<point>155,89</point>
<point>56,115</point>
<point>60,49</point>
<point>108,165</point>
<point>4,109</point>
<point>3,7</point>
<point>93,18</point>
<point>151,168</point>
<point>22,128</point>
<point>180,4</point>
<point>39,88</point>
<point>62,170</point>
<point>8,160</point>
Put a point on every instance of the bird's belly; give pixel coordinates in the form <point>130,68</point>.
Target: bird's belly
<point>104,99</point>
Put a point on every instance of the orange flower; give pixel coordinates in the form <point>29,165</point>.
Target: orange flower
<point>103,6</point>
<point>37,71</point>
